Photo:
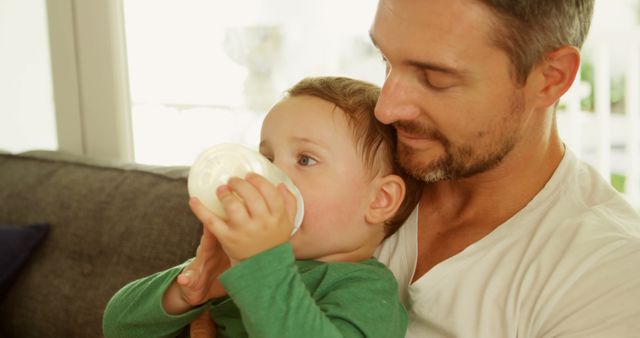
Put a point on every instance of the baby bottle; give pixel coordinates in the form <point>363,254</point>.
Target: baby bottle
<point>216,165</point>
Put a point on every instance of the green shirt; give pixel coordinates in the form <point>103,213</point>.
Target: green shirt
<point>272,295</point>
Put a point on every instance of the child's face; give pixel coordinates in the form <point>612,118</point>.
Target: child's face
<point>310,140</point>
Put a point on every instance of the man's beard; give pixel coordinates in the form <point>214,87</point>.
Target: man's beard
<point>460,161</point>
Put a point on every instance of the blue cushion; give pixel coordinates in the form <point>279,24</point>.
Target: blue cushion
<point>17,243</point>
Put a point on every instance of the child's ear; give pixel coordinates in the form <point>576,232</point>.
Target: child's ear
<point>386,195</point>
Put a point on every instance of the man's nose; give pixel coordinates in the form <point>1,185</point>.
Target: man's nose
<point>396,102</point>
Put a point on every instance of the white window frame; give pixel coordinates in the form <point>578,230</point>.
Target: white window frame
<point>90,81</point>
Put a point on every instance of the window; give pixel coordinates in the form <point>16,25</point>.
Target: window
<point>202,75</point>
<point>27,119</point>
<point>599,118</point>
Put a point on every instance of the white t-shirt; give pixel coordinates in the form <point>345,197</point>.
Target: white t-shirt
<point>566,265</point>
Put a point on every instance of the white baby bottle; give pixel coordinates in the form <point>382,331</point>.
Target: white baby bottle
<point>217,164</point>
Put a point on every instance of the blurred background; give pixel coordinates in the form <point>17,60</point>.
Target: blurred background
<point>157,81</point>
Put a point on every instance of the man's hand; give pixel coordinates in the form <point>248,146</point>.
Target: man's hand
<point>260,216</point>
<point>203,327</point>
<point>198,282</point>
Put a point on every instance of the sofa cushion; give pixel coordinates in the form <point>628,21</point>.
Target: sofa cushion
<point>109,224</point>
<point>16,245</point>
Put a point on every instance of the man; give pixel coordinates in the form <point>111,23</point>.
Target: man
<point>513,236</point>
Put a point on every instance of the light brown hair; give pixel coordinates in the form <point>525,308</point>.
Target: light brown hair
<point>527,29</point>
<point>374,140</point>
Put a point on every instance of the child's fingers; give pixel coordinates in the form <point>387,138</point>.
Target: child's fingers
<point>186,279</point>
<point>208,242</point>
<point>210,221</point>
<point>199,210</point>
<point>208,245</point>
<point>190,277</point>
<point>234,207</point>
<point>270,195</point>
<point>253,199</point>
<point>290,202</point>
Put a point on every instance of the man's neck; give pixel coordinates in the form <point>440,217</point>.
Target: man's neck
<point>455,214</point>
<point>497,194</point>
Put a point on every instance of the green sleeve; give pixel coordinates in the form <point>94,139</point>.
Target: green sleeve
<point>358,300</point>
<point>136,309</point>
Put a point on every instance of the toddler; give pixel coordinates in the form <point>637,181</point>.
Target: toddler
<point>320,282</point>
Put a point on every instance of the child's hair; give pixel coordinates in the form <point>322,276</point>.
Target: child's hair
<point>374,140</point>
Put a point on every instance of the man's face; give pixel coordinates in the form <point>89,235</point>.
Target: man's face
<point>449,90</point>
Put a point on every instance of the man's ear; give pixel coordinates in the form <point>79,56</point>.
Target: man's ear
<point>386,196</point>
<point>555,74</point>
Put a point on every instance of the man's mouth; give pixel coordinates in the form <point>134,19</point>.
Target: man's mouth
<point>415,135</point>
<point>408,136</point>
<point>415,141</point>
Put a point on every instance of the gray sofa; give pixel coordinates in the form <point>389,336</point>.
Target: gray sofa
<point>109,223</point>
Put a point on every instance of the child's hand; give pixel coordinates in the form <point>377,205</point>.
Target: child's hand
<point>260,216</point>
<point>198,282</point>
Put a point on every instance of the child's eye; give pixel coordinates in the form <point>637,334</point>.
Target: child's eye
<point>306,160</point>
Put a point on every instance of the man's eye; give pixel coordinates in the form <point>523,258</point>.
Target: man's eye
<point>305,160</point>
<point>439,81</point>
